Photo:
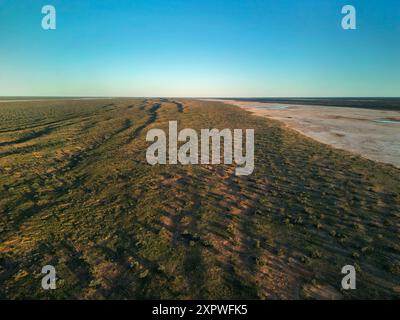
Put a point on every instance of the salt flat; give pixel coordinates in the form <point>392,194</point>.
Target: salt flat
<point>353,129</point>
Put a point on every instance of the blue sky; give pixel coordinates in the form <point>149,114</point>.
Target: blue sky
<point>200,48</point>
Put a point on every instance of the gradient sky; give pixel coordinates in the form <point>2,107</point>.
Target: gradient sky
<point>200,48</point>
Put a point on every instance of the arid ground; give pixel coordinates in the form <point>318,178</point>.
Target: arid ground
<point>372,133</point>
<point>77,193</point>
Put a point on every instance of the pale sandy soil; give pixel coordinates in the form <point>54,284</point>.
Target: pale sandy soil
<point>350,129</point>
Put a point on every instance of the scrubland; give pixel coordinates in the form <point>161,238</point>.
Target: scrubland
<point>77,193</point>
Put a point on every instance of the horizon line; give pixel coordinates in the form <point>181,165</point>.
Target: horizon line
<point>204,97</point>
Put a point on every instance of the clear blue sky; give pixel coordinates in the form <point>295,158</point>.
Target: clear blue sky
<point>200,48</point>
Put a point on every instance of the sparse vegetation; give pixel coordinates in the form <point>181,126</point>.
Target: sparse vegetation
<point>77,193</point>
